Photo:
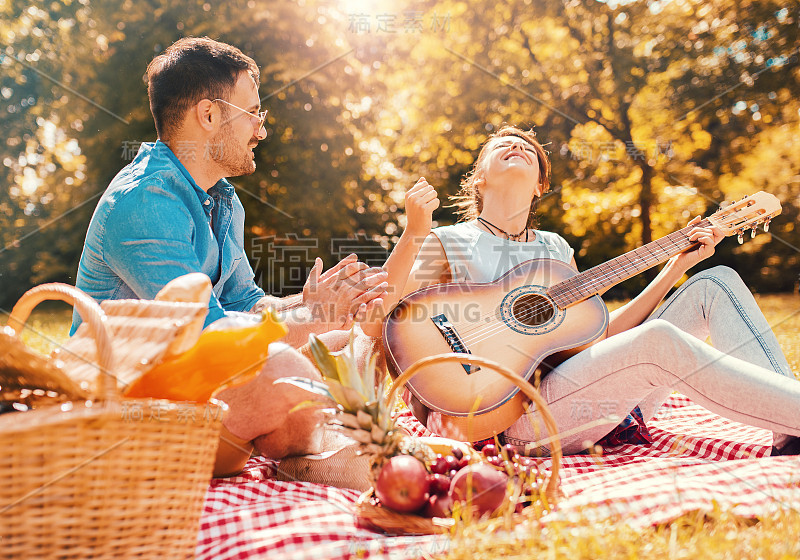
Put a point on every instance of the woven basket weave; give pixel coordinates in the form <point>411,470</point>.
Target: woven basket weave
<point>110,478</point>
<point>371,513</point>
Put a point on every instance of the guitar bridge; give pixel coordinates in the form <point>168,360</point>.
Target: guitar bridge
<point>453,339</point>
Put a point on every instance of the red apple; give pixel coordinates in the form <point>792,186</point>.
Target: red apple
<point>438,506</point>
<point>402,484</point>
<point>488,487</point>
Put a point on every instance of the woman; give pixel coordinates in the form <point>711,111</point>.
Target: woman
<point>645,352</point>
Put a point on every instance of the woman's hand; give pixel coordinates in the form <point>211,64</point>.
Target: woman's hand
<point>421,201</point>
<point>707,237</point>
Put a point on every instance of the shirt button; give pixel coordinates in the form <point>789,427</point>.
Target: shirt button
<point>207,202</point>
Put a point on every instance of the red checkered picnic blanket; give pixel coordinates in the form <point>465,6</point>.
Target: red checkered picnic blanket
<point>697,459</point>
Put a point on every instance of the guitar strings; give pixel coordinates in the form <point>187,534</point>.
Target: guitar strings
<point>679,240</point>
<point>484,330</point>
<point>554,293</point>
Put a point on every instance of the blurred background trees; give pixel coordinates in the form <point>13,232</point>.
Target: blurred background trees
<point>652,111</point>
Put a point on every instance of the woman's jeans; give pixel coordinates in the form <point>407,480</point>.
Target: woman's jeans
<point>744,376</point>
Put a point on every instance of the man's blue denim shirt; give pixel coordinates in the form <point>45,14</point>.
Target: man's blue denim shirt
<point>154,224</point>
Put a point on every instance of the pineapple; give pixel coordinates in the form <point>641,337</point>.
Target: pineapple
<point>362,412</point>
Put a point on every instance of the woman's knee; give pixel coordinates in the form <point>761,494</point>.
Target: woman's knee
<point>720,276</point>
<point>655,330</point>
<point>658,335</point>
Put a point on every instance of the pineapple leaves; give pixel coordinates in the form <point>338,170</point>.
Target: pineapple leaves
<point>350,399</point>
<point>326,362</point>
<point>353,387</point>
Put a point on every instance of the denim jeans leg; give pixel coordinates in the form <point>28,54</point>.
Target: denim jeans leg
<point>614,374</point>
<point>716,303</point>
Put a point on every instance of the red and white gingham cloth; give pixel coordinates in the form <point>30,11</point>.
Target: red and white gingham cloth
<point>697,459</point>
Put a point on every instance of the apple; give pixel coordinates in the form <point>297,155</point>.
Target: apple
<point>438,506</point>
<point>488,487</point>
<point>403,484</point>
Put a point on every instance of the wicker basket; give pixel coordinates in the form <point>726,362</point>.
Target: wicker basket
<point>370,513</point>
<point>108,478</point>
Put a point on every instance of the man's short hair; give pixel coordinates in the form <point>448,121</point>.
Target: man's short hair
<point>188,71</point>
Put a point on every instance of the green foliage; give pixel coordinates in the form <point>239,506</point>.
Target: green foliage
<point>639,104</point>
<point>308,184</point>
<point>653,112</point>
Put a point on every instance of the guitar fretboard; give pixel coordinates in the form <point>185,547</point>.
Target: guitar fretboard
<point>597,279</point>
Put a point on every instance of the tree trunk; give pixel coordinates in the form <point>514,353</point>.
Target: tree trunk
<point>645,203</point>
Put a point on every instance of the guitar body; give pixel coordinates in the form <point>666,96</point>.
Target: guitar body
<point>512,321</point>
<point>526,320</point>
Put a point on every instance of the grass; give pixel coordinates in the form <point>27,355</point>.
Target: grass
<point>47,327</point>
<point>718,535</point>
<point>714,535</point>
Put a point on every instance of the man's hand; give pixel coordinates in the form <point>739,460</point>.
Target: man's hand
<point>344,293</point>
<point>421,201</point>
<point>707,237</point>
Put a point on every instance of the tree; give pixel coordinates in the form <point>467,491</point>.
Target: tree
<point>308,190</point>
<point>636,99</point>
<point>43,168</point>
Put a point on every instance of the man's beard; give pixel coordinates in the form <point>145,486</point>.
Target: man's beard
<point>226,152</point>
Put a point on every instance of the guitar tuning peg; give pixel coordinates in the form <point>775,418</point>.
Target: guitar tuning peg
<point>766,225</point>
<point>740,236</point>
<point>753,231</point>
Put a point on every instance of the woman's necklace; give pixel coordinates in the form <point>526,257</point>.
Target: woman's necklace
<point>510,236</point>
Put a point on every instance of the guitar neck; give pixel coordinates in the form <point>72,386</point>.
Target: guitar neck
<point>601,277</point>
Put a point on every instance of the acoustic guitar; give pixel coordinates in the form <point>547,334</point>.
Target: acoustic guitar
<point>530,319</point>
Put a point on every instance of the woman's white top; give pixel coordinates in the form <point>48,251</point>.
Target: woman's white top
<point>475,255</point>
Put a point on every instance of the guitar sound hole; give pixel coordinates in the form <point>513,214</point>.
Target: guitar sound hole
<point>532,309</point>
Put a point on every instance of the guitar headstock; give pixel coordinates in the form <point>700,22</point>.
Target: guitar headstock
<point>747,213</point>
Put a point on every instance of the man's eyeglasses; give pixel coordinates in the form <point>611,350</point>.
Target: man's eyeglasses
<point>262,116</point>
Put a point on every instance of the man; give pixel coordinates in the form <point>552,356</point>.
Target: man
<point>171,212</point>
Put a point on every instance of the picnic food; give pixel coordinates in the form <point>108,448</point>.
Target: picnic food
<point>221,356</point>
<point>403,484</point>
<point>480,485</point>
<point>439,505</point>
<point>366,416</point>
<point>445,446</point>
<point>192,287</point>
<point>363,414</point>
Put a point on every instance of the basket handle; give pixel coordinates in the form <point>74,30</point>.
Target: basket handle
<point>528,389</point>
<point>89,311</point>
